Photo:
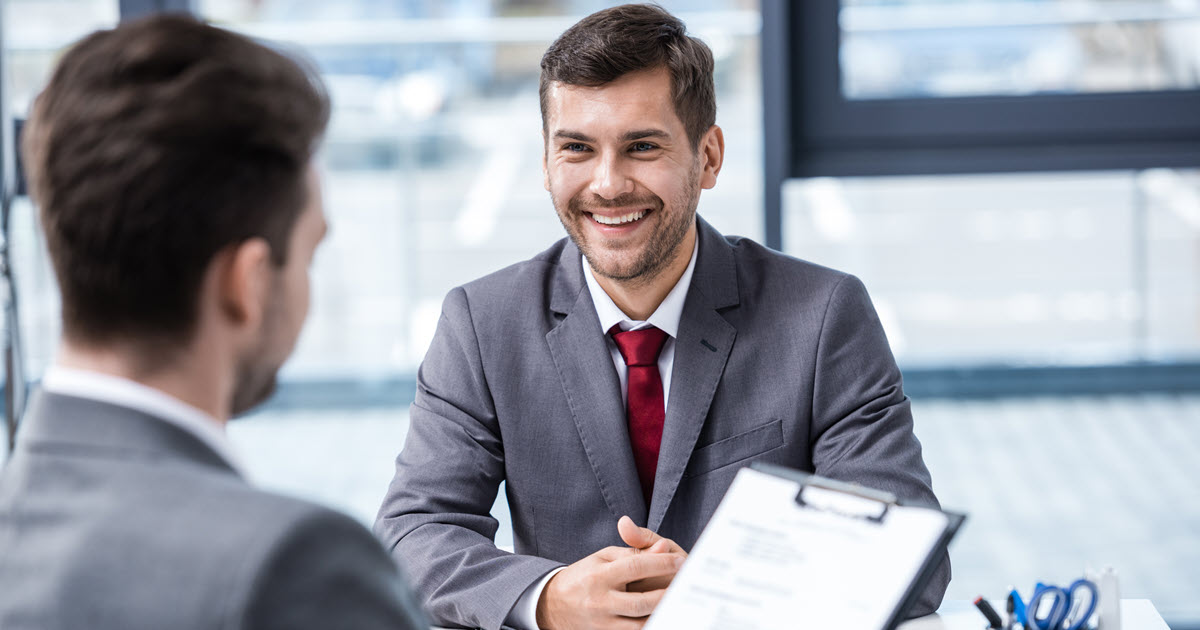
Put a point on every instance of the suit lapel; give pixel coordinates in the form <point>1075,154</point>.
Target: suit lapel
<point>701,350</point>
<point>590,384</point>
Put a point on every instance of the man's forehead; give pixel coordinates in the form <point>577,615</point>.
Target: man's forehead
<point>633,101</point>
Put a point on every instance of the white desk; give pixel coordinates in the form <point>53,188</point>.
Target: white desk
<point>1136,614</point>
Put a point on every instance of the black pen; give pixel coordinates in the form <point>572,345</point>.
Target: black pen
<point>989,612</point>
<point>1010,607</point>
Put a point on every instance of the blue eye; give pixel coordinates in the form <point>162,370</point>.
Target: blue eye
<point>575,147</point>
<point>640,147</point>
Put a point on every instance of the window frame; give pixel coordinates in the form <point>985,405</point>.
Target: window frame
<point>812,130</point>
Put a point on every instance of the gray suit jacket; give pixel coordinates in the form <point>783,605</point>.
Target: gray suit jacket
<point>111,519</point>
<point>777,360</point>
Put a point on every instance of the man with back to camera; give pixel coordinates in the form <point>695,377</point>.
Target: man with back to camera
<point>618,381</point>
<point>172,165</point>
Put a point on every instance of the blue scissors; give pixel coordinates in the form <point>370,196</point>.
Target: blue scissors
<point>1069,608</point>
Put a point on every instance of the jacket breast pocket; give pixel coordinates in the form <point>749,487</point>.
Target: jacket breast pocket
<point>736,448</point>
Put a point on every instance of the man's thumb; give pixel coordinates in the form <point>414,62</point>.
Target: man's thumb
<point>634,536</point>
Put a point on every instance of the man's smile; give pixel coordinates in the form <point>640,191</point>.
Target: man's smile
<point>618,219</point>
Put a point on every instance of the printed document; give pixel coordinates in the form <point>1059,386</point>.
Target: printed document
<point>766,561</point>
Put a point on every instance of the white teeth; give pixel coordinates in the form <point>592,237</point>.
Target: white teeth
<point>632,216</point>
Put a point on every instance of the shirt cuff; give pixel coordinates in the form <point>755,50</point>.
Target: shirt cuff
<point>523,615</point>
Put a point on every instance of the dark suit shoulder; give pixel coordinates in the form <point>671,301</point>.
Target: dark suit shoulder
<point>286,562</point>
<point>216,499</point>
<point>326,570</point>
<point>149,540</point>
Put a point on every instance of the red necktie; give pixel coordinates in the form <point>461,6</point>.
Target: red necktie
<point>645,409</point>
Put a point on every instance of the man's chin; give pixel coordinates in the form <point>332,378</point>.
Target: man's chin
<point>612,268</point>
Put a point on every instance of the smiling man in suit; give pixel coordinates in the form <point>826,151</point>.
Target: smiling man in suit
<point>618,381</point>
<point>172,165</point>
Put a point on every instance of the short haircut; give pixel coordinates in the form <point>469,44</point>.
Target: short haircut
<point>156,145</point>
<point>609,44</point>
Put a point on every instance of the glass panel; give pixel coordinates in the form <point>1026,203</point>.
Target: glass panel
<point>1079,268</point>
<point>432,162</point>
<point>1172,263</point>
<point>36,31</point>
<point>928,48</point>
<point>38,291</point>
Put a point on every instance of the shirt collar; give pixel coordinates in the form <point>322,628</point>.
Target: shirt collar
<point>666,317</point>
<point>123,392</point>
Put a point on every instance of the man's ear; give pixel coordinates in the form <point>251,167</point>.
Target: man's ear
<point>243,281</point>
<point>712,152</point>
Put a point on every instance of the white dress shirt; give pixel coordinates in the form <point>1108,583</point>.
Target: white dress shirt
<point>123,392</point>
<point>666,318</point>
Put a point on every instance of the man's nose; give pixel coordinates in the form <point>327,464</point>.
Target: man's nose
<point>610,179</point>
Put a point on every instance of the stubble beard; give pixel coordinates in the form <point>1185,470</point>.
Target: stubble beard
<point>255,384</point>
<point>256,372</point>
<point>660,247</point>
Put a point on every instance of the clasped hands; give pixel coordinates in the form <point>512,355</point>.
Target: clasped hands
<point>616,587</point>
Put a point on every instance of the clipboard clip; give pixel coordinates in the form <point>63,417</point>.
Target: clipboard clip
<point>855,492</point>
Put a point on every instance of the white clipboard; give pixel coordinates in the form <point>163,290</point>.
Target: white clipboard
<point>785,549</point>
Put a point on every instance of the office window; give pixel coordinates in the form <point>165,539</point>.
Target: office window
<point>1016,269</point>
<point>916,87</point>
<point>1016,183</point>
<point>36,31</point>
<point>932,49</point>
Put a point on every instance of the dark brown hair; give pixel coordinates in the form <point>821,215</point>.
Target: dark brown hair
<point>609,44</point>
<point>156,145</point>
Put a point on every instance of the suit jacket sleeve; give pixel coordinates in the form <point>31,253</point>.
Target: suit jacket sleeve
<point>436,516</point>
<point>330,572</point>
<point>862,422</point>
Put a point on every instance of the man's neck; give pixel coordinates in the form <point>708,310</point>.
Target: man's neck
<point>639,298</point>
<point>187,381</point>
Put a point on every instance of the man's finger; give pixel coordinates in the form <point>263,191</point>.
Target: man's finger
<point>650,584</point>
<point>611,554</point>
<point>662,546</point>
<point>626,623</point>
<point>642,566</point>
<point>635,604</point>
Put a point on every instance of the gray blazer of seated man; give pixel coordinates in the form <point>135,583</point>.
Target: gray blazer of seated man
<point>768,358</point>
<point>123,508</point>
<point>171,162</point>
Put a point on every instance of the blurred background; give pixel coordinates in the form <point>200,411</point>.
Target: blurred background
<point>1016,181</point>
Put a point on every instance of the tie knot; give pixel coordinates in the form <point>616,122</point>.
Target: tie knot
<point>639,347</point>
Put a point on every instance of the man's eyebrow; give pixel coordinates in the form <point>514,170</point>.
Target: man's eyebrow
<point>628,136</point>
<point>572,135</point>
<point>640,134</point>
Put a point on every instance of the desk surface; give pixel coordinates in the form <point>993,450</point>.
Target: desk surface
<point>958,615</point>
<point>1136,614</point>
